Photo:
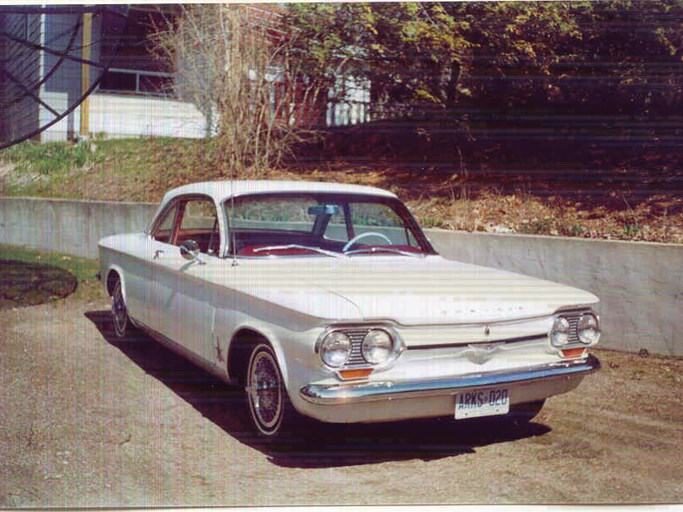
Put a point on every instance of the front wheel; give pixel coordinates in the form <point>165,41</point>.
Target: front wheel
<point>270,409</point>
<point>119,312</point>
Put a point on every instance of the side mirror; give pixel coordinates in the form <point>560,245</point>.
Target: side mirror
<point>189,250</point>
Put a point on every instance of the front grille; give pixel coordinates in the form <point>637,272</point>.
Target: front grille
<point>573,319</point>
<point>356,336</point>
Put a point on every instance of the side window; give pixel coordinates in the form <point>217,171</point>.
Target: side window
<point>273,213</point>
<point>164,230</point>
<point>382,219</point>
<point>199,222</point>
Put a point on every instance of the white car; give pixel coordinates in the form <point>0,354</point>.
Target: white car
<point>328,301</point>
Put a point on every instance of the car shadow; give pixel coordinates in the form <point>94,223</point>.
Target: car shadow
<point>315,445</point>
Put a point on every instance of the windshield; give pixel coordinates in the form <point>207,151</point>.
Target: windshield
<point>322,224</point>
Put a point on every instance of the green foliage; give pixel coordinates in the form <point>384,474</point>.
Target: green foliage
<point>406,50</point>
<point>145,168</point>
<point>576,230</point>
<point>631,230</point>
<point>501,54</point>
<point>50,157</point>
<point>433,222</point>
<point>538,226</point>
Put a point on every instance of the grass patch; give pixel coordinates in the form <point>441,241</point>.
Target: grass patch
<point>135,169</point>
<point>84,270</point>
<point>50,158</point>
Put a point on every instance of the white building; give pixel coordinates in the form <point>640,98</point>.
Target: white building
<point>41,72</point>
<point>44,57</point>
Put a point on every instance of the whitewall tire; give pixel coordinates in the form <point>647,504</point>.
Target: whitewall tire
<point>119,312</point>
<point>270,410</point>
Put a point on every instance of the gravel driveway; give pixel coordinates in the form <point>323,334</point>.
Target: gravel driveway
<point>86,420</point>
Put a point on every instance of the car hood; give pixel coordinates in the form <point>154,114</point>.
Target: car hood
<point>421,291</point>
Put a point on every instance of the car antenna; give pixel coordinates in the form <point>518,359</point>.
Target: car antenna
<point>231,217</point>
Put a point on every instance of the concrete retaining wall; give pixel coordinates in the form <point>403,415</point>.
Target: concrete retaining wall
<point>640,284</point>
<point>72,227</point>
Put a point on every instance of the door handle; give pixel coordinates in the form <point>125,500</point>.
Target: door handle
<point>157,253</point>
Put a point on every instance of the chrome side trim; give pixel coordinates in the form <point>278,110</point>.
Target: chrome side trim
<point>337,394</point>
<point>179,349</point>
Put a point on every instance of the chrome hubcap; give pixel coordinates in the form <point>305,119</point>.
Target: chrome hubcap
<point>118,307</point>
<point>264,390</point>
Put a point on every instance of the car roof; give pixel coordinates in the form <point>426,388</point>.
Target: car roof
<point>221,190</point>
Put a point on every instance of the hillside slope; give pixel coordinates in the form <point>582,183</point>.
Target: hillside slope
<point>616,207</point>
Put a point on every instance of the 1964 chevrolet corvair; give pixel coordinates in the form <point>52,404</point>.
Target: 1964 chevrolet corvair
<point>328,300</point>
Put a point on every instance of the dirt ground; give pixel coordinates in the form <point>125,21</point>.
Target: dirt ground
<point>88,421</point>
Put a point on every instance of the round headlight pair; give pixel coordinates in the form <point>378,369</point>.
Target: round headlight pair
<point>587,330</point>
<point>377,348</point>
<point>559,334</point>
<point>335,349</point>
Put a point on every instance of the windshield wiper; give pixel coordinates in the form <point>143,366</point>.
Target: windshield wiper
<point>297,246</point>
<point>393,250</point>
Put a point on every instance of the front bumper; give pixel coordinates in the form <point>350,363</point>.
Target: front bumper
<point>554,378</point>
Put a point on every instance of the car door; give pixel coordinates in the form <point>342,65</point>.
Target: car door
<point>133,264</point>
<point>182,296</point>
<point>158,245</point>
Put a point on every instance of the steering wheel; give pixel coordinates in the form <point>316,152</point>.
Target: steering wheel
<point>355,239</point>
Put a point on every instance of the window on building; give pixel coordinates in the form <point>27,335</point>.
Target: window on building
<point>133,68</point>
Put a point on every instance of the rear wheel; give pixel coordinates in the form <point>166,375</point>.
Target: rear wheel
<point>271,412</point>
<point>119,312</point>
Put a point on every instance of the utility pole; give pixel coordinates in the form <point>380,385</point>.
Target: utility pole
<point>85,75</point>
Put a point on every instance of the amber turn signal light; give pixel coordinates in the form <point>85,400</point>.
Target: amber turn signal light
<point>573,352</point>
<point>355,374</point>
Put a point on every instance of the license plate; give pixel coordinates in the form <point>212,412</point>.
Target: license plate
<point>482,402</point>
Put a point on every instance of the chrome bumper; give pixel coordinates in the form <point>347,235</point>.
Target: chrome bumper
<point>346,393</point>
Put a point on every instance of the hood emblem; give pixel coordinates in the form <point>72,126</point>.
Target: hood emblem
<point>487,331</point>
<point>481,353</point>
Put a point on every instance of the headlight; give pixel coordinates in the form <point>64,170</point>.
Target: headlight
<point>559,334</point>
<point>377,346</point>
<point>335,349</point>
<point>588,329</point>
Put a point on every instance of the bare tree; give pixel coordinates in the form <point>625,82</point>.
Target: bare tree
<point>238,65</point>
